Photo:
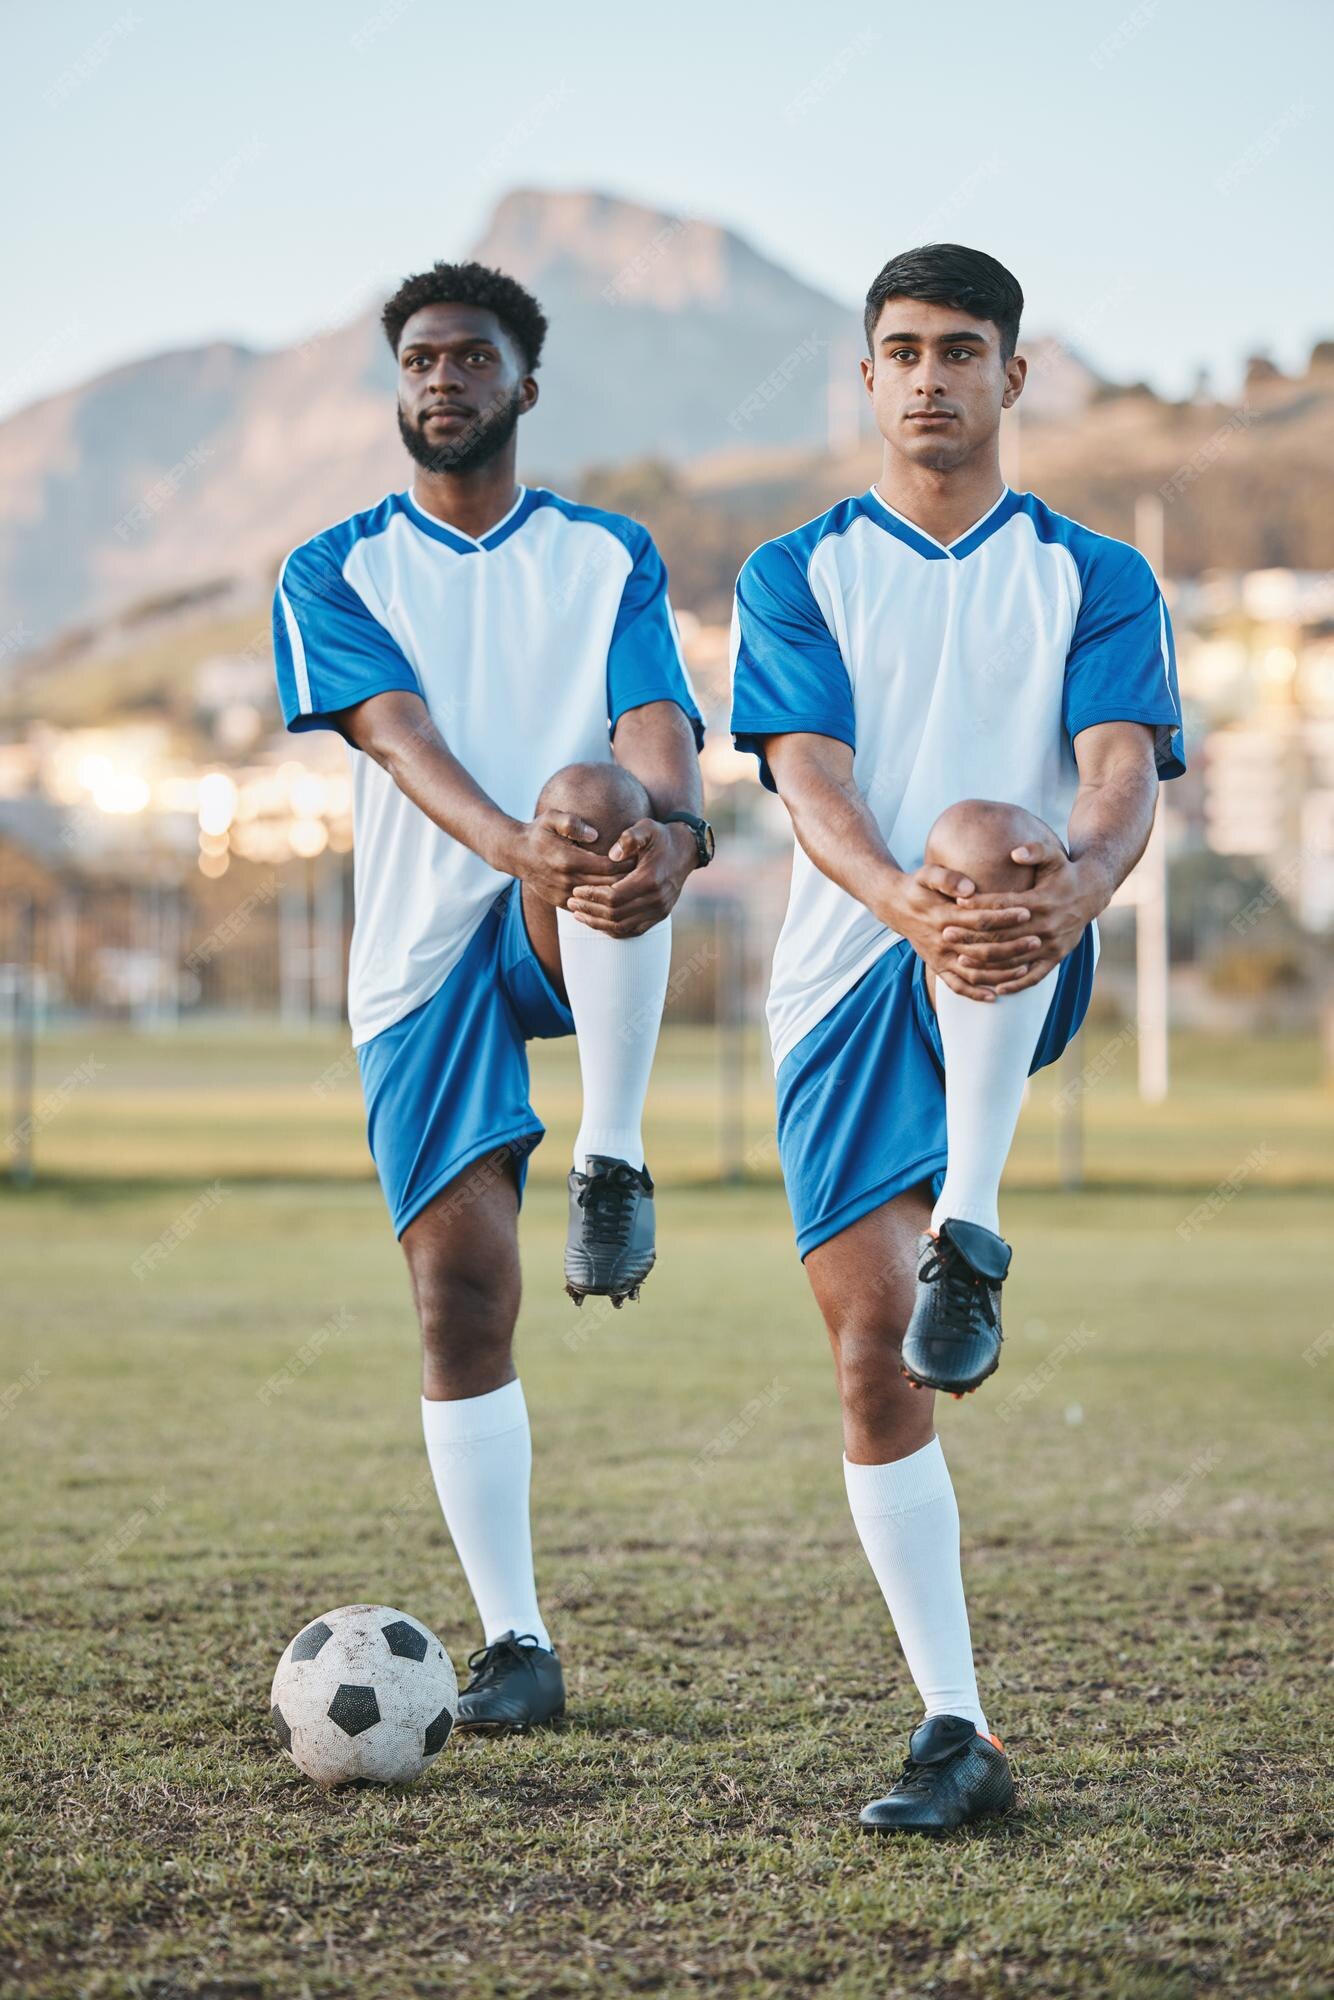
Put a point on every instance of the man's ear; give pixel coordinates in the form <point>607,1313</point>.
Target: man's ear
<point>1016,373</point>
<point>527,394</point>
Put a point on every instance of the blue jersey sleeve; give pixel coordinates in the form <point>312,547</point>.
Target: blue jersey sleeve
<point>1121,666</point>
<point>329,648</point>
<point>644,661</point>
<point>788,675</point>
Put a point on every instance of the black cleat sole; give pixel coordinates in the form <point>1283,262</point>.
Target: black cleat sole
<point>955,1389</point>
<point>972,1826</point>
<point>462,1728</point>
<point>618,1299</point>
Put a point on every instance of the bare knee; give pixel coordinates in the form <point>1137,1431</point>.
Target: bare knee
<point>866,1355</point>
<point>884,1417</point>
<point>605,794</point>
<point>467,1328</point>
<point>975,838</point>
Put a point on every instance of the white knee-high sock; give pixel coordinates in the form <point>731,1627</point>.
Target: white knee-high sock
<point>481,1454</point>
<point>908,1520</point>
<point>617,988</point>
<point>988,1048</point>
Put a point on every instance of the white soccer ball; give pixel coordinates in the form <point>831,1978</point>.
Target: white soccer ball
<point>364,1693</point>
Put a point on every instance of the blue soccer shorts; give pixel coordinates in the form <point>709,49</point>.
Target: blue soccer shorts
<point>861,1098</point>
<point>448,1084</point>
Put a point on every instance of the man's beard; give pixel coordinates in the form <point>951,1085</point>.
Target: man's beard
<point>487,434</point>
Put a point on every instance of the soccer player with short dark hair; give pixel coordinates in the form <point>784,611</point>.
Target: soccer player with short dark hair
<point>506,670</point>
<point>966,702</point>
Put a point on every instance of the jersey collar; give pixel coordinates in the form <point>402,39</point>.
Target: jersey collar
<point>907,531</point>
<point>468,545</point>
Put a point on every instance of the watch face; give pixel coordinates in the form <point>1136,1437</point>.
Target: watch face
<point>709,842</point>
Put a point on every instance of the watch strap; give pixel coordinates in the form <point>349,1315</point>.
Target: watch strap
<point>699,827</point>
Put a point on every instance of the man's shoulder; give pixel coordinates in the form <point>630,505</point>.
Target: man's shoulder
<point>1096,556</point>
<point>797,546</point>
<point>631,535</point>
<point>325,553</point>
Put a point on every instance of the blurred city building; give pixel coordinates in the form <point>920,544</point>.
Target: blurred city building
<point>192,855</point>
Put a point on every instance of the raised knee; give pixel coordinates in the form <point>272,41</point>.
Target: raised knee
<point>975,837</point>
<point>605,794</point>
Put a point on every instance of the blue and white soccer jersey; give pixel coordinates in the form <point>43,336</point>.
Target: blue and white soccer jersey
<point>527,646</point>
<point>952,672</point>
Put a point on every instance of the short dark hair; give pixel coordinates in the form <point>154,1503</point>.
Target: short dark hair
<point>948,274</point>
<point>470,285</point>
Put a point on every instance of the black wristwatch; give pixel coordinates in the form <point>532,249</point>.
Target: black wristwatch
<point>703,832</point>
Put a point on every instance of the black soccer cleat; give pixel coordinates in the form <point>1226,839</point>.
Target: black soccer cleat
<point>953,1340</point>
<point>609,1250</point>
<point>515,1684</point>
<point>951,1775</point>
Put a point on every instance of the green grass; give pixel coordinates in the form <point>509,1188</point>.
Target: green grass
<point>1142,1497</point>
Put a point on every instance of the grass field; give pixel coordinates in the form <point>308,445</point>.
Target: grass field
<point>1143,1498</point>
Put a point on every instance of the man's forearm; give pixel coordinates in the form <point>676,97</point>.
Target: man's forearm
<point>408,746</point>
<point>1110,824</point>
<point>657,745</point>
<point>836,828</point>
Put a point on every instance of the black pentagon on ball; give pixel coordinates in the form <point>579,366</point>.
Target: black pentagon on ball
<point>405,1640</point>
<point>437,1732</point>
<point>306,1644</point>
<point>282,1726</point>
<point>354,1709</point>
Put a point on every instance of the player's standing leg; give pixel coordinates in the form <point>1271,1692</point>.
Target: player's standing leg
<point>463,1256</point>
<point>903,1504</point>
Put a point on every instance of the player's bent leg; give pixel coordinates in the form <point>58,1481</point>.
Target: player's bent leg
<point>953,1340</point>
<point>463,1261</point>
<point>975,837</point>
<point>616,989</point>
<point>610,799</point>
<point>903,1505</point>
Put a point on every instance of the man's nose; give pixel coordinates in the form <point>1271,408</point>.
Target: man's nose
<point>444,377</point>
<point>928,379</point>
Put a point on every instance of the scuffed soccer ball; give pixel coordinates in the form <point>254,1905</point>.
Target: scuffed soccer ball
<point>364,1693</point>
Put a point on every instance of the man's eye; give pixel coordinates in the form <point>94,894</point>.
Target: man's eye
<point>480,354</point>
<point>904,354</point>
<point>961,354</point>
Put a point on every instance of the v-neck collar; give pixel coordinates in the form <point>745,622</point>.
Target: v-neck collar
<point>926,545</point>
<point>471,545</point>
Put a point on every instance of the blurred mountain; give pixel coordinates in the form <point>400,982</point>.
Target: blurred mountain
<point>186,466</point>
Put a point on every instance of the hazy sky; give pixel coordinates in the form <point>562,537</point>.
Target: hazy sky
<point>1157,174</point>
